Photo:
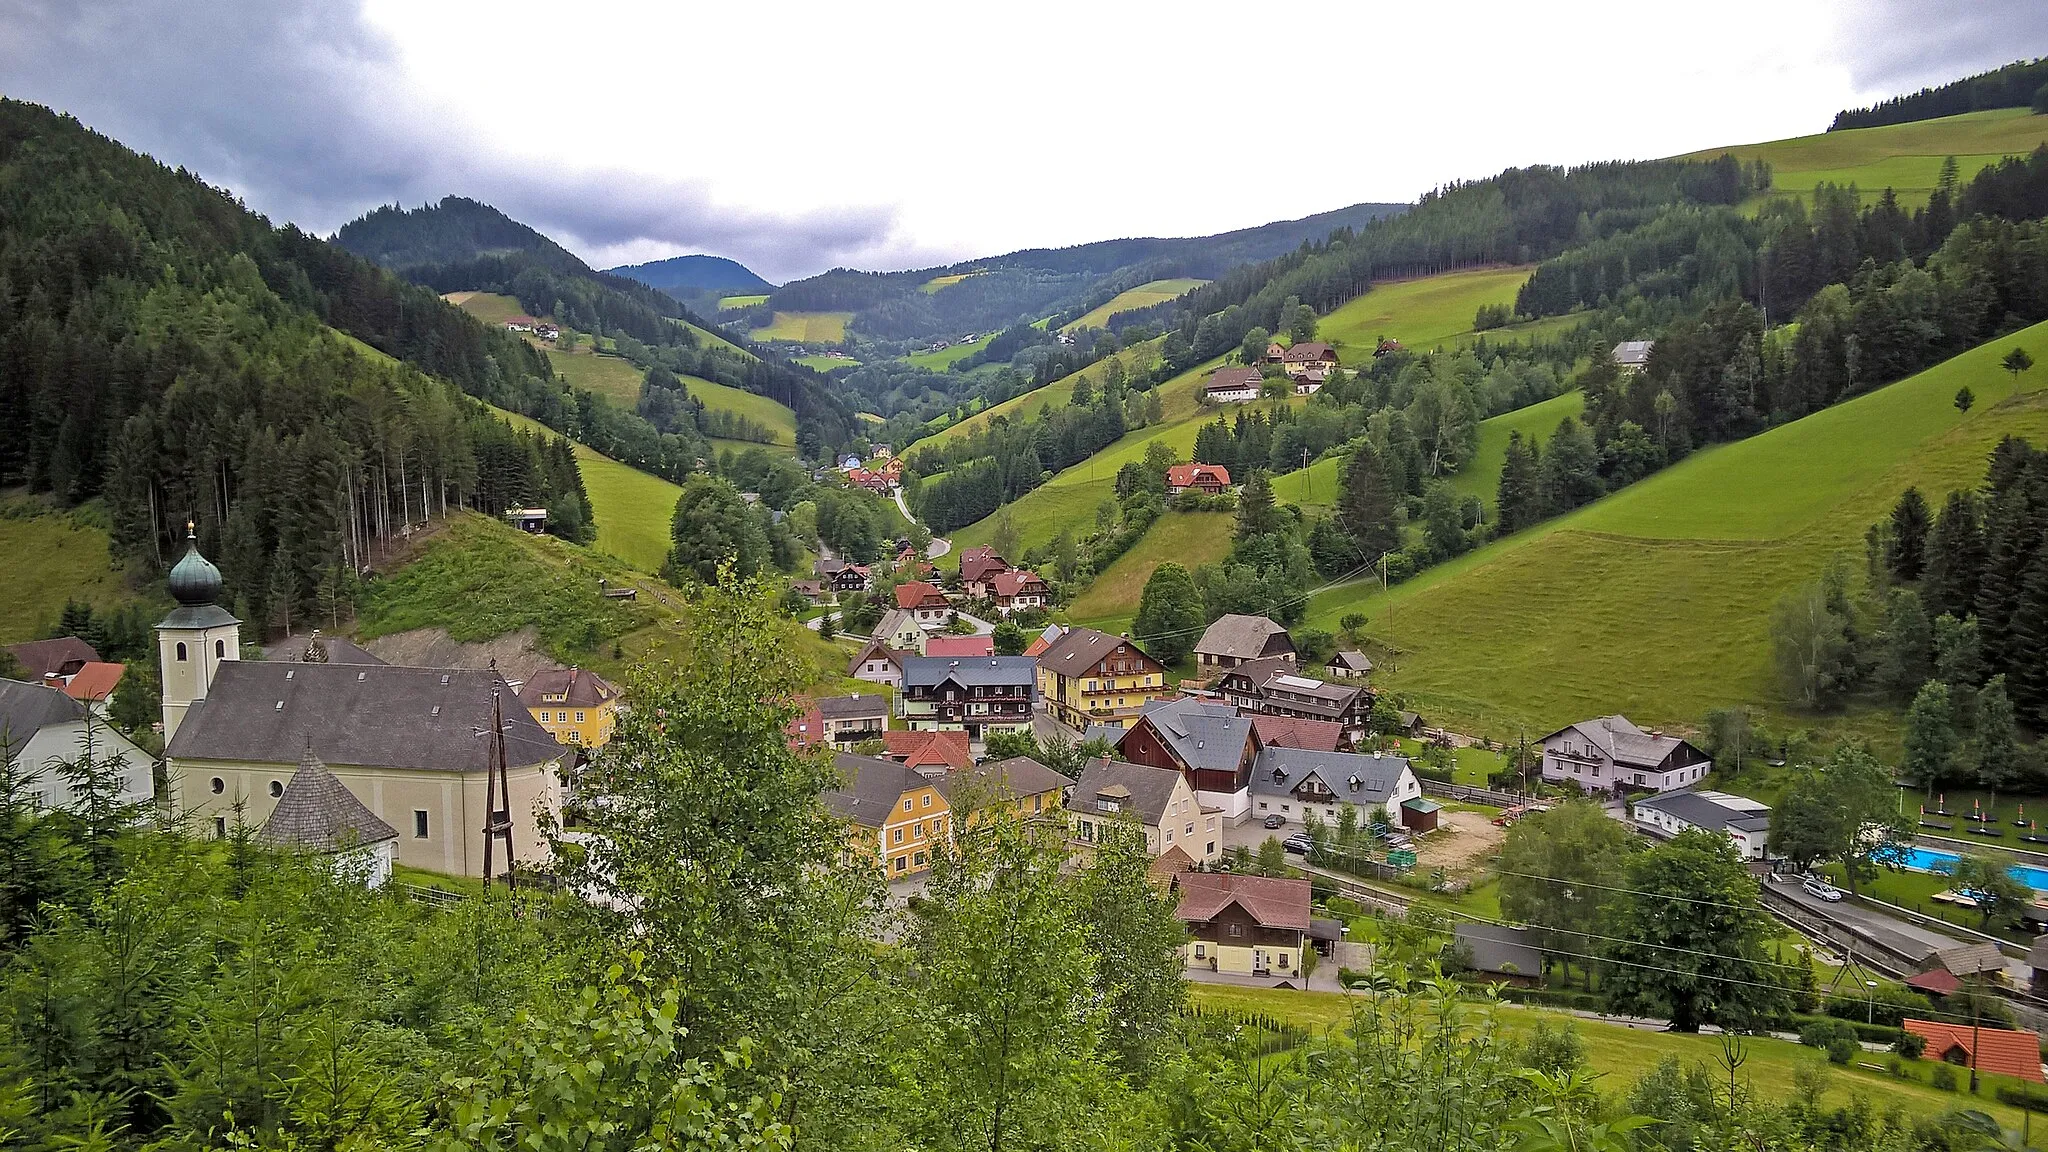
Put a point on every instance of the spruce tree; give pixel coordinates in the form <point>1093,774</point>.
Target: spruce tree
<point>1909,536</point>
<point>1955,556</point>
<point>2027,655</point>
<point>1256,513</point>
<point>1366,505</point>
<point>1570,473</point>
<point>1904,660</point>
<point>1517,498</point>
<point>2009,548</point>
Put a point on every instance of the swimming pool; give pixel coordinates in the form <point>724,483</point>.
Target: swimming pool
<point>1943,863</point>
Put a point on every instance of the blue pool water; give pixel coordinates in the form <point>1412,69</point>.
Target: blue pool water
<point>1943,863</point>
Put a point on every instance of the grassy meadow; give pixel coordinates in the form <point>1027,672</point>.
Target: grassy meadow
<point>806,327</point>
<point>48,557</point>
<point>937,283</point>
<point>634,510</point>
<point>1656,600</point>
<point>725,302</point>
<point>948,356</point>
<point>1131,299</point>
<point>1421,313</point>
<point>1904,157</point>
<point>1136,359</point>
<point>825,363</point>
<point>1190,539</point>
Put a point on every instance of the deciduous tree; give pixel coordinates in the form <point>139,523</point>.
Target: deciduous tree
<point>1688,938</point>
<point>1169,619</point>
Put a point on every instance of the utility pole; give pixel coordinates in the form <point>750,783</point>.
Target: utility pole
<point>497,787</point>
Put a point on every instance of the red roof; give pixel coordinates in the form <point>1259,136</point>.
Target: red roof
<point>983,645</point>
<point>1271,901</point>
<point>808,729</point>
<point>977,563</point>
<point>2001,1050</point>
<point>1016,580</point>
<point>1188,475</point>
<point>918,593</point>
<point>1939,981</point>
<point>929,749</point>
<point>95,681</point>
<point>1293,732</point>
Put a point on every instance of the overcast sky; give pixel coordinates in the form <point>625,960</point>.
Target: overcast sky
<point>801,135</point>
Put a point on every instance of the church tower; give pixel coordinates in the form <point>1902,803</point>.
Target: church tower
<point>195,638</point>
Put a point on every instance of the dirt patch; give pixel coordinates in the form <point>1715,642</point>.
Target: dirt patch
<point>1462,842</point>
<point>518,653</point>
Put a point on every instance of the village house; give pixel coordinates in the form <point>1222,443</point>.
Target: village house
<point>1209,743</point>
<point>1115,793</point>
<point>1293,732</point>
<point>1020,589</point>
<point>58,659</point>
<point>844,721</point>
<point>1746,822</point>
<point>959,647</point>
<point>842,578</point>
<point>1244,925</point>
<point>1212,479</point>
<point>319,816</point>
<point>932,753</point>
<point>1234,638</point>
<point>1347,703</point>
<point>1232,386</point>
<point>895,816</point>
<point>924,602</point>
<point>94,685</point>
<point>813,591</point>
<point>877,663</point>
<point>574,705</point>
<point>978,569</point>
<point>2004,1051</point>
<point>1612,755</point>
<point>1293,782</point>
<point>1309,356</point>
<point>1275,352</point>
<point>978,696</point>
<point>403,740</point>
<point>1089,677</point>
<point>1310,382</point>
<point>41,729</point>
<point>1633,356</point>
<point>899,629</point>
<point>1032,790</point>
<point>1348,665</point>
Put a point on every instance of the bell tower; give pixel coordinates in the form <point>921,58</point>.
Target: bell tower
<point>196,638</point>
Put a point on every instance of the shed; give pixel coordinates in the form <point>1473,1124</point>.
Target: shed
<point>2003,1050</point>
<point>1419,814</point>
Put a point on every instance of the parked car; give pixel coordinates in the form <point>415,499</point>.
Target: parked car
<point>1821,889</point>
<point>1299,844</point>
<point>1276,820</point>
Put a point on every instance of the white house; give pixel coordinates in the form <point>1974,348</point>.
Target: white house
<point>1747,822</point>
<point>1232,386</point>
<point>1612,755</point>
<point>42,728</point>
<point>1293,782</point>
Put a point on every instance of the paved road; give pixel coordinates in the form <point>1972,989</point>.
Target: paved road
<point>938,547</point>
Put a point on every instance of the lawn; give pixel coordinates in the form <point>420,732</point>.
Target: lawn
<point>1623,1054</point>
<point>806,327</point>
<point>634,510</point>
<point>1138,358</point>
<point>950,355</point>
<point>48,557</point>
<point>1131,299</point>
<point>1191,539</point>
<point>725,302</point>
<point>489,307</point>
<point>1904,157</point>
<point>1656,601</point>
<point>1421,313</point>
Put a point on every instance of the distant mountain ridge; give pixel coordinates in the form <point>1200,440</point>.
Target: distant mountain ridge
<point>699,273</point>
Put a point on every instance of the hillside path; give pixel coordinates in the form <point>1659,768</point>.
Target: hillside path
<point>939,546</point>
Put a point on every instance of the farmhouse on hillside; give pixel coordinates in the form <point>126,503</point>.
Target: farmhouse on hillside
<point>1309,356</point>
<point>1612,755</point>
<point>1020,589</point>
<point>1235,638</point>
<point>1633,355</point>
<point>1212,479</point>
<point>1232,386</point>
<point>877,663</point>
<point>978,566</point>
<point>1348,665</point>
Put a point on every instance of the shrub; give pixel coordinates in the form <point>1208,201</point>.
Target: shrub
<point>2020,1096</point>
<point>1888,1005</point>
<point>1943,1077</point>
<point>1910,1045</point>
<point>1843,1049</point>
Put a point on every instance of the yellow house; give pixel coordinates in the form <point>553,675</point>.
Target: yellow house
<point>574,705</point>
<point>1088,677</point>
<point>1244,925</point>
<point>894,814</point>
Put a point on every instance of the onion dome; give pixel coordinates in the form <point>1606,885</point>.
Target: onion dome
<point>195,582</point>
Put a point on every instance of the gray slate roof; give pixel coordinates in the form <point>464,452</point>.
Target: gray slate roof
<point>340,650</point>
<point>1150,789</point>
<point>1244,638</point>
<point>1355,661</point>
<point>1501,949</point>
<point>969,671</point>
<point>317,812</point>
<point>1633,353</point>
<point>1007,779</point>
<point>1200,733</point>
<point>1703,811</point>
<point>1109,734</point>
<point>859,706</point>
<point>358,715</point>
<point>1624,742</point>
<point>26,709</point>
<point>872,788</point>
<point>1280,770</point>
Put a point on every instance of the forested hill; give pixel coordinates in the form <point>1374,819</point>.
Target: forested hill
<point>2016,85</point>
<point>462,245</point>
<point>171,352</point>
<point>683,275</point>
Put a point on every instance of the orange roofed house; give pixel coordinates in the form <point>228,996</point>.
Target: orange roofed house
<point>2001,1050</point>
<point>927,751</point>
<point>979,566</point>
<point>925,603</point>
<point>1213,479</point>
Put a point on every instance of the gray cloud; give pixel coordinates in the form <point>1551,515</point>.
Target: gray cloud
<point>1893,47</point>
<point>302,110</point>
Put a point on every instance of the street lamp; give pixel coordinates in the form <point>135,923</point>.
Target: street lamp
<point>1869,1001</point>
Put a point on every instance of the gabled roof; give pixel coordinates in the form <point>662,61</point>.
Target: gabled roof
<point>1257,672</point>
<point>318,813</point>
<point>1308,352</point>
<point>1714,811</point>
<point>95,681</point>
<point>1624,742</point>
<point>896,620</point>
<point>1633,353</point>
<point>1232,379</point>
<point>1295,732</point>
<point>871,790</point>
<point>968,672</point>
<point>26,709</point>
<point>1279,771</point>
<point>916,593</point>
<point>2002,1050</point>
<point>40,658</point>
<point>1938,981</point>
<point>976,563</point>
<point>1352,660</point>
<point>583,688</point>
<point>806,729</point>
<point>358,715</point>
<point>928,750</point>
<point>310,649</point>
<point>873,649</point>
<point>1081,649</point>
<point>858,706</point>
<point>1168,864</point>
<point>1244,638</point>
<point>1271,901</point>
<point>1146,791</point>
<point>1200,733</point>
<point>956,647</point>
<point>1971,959</point>
<point>1189,475</point>
<point>1016,580</point>
<point>1005,779</point>
<point>1501,949</point>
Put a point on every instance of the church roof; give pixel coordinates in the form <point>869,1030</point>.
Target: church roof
<point>317,812</point>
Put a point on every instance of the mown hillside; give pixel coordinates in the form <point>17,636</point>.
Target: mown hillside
<point>1907,158</point>
<point>633,510</point>
<point>1657,600</point>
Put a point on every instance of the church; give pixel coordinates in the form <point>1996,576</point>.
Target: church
<point>413,745</point>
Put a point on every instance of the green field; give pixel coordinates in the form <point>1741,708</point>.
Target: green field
<point>1904,157</point>
<point>806,327</point>
<point>1421,313</point>
<point>1190,539</point>
<point>1656,601</point>
<point>1132,299</point>
<point>725,398</point>
<point>948,356</point>
<point>1136,359</point>
<point>612,377</point>
<point>1622,1054</point>
<point>825,363</point>
<point>937,282</point>
<point>48,557</point>
<point>634,511</point>
<point>725,302</point>
<point>489,307</point>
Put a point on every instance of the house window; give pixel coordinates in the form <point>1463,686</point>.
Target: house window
<point>220,827</point>
<point>181,650</point>
<point>906,803</point>
<point>926,800</point>
<point>1209,849</point>
<point>220,649</point>
<point>917,831</point>
<point>896,836</point>
<point>419,823</point>
<point>1283,959</point>
<point>218,785</point>
<point>276,788</point>
<point>900,863</point>
<point>918,859</point>
<point>579,717</point>
<point>1201,951</point>
<point>1237,929</point>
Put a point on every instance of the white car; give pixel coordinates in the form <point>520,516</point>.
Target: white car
<point>1817,887</point>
